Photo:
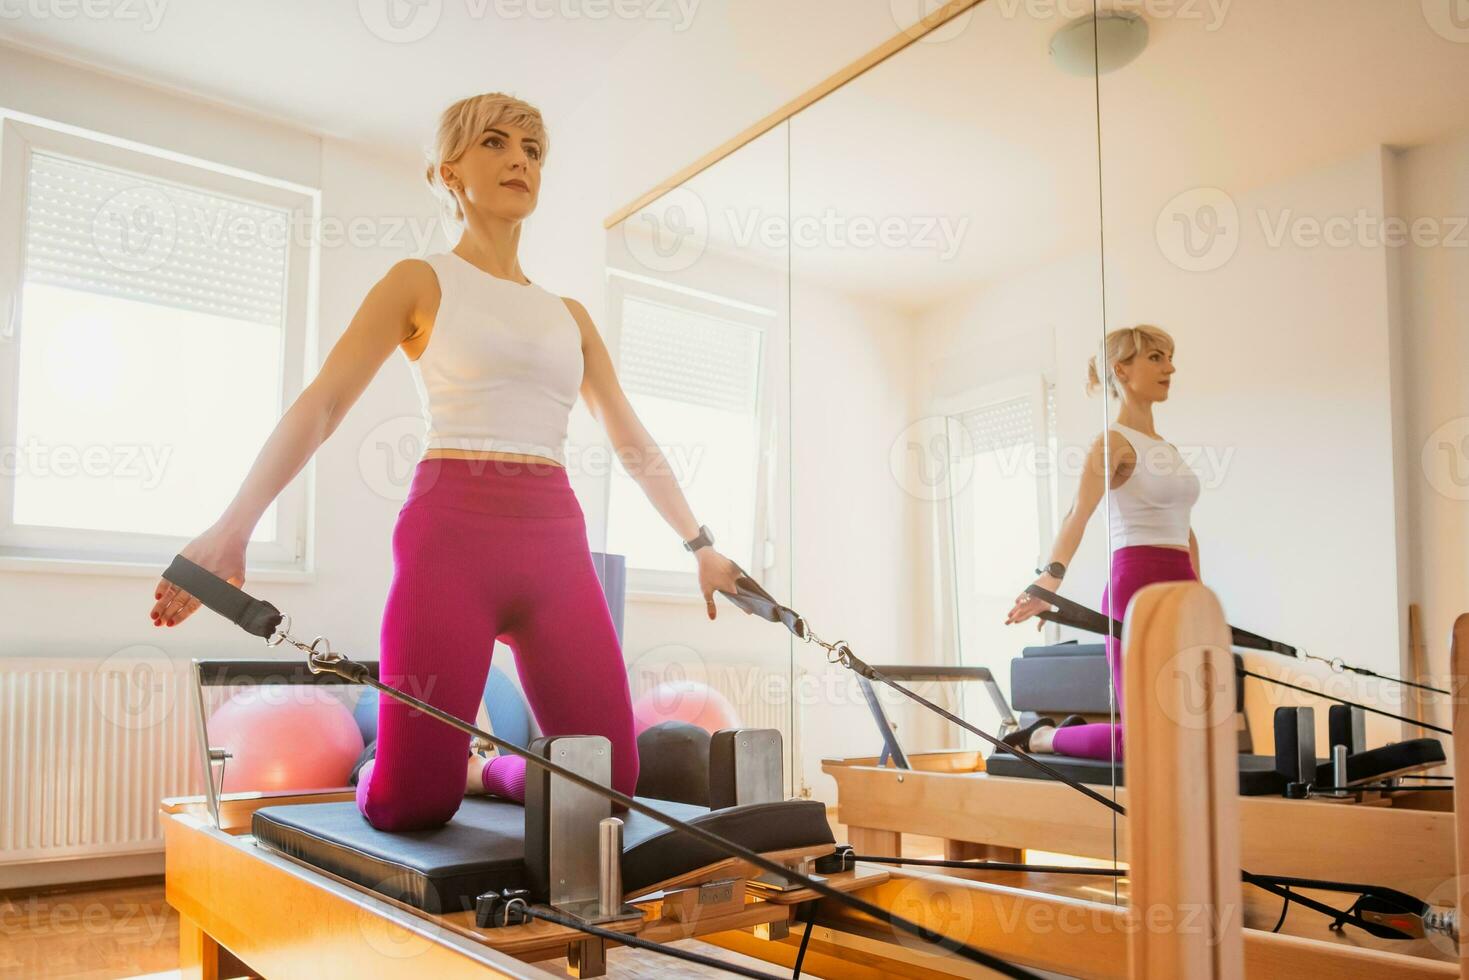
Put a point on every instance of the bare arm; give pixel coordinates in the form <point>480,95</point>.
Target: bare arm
<point>1193,553</point>
<point>393,310</point>
<point>1102,464</point>
<point>641,456</point>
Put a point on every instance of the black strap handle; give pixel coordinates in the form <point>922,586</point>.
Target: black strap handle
<point>753,599</point>
<point>1080,617</point>
<point>255,616</point>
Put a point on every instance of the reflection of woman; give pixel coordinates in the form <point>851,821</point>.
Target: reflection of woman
<point>491,542</point>
<point>1153,491</point>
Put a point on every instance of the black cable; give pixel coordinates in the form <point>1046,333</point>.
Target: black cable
<point>635,942</point>
<point>1330,697</point>
<point>1284,910</point>
<point>872,673</point>
<point>1077,616</point>
<point>992,866</point>
<point>805,940</point>
<point>357,673</point>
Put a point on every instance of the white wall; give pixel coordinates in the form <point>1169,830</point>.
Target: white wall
<point>1284,374</point>
<point>855,531</point>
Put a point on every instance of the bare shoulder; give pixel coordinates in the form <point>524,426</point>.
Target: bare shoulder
<point>1116,442</point>
<point>411,286</point>
<point>412,277</point>
<point>583,319</point>
<point>577,310</point>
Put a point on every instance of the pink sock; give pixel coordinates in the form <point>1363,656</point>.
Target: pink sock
<point>504,776</point>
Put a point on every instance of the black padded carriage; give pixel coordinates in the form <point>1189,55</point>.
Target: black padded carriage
<point>1074,677</point>
<point>482,848</point>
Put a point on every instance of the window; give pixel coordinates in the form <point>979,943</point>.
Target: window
<point>694,379</point>
<point>154,332</point>
<point>1002,507</point>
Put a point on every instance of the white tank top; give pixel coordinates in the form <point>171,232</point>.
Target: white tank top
<point>502,367</point>
<point>1153,506</point>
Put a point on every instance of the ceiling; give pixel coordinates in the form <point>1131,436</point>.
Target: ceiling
<point>971,131</point>
<point>980,126</point>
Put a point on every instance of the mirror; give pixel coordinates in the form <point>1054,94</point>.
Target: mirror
<point>1284,195</point>
<point>697,323</point>
<point>945,296</point>
<point>1283,191</point>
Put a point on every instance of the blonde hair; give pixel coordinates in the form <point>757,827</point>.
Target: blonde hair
<point>1120,347</point>
<point>464,122</point>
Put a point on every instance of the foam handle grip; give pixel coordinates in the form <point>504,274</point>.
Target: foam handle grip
<point>254,616</point>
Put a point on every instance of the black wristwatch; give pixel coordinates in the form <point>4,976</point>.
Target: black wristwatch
<point>706,537</point>
<point>1055,569</point>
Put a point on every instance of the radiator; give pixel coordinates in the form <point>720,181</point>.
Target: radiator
<point>88,748</point>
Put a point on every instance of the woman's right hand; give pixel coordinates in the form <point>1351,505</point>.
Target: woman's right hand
<point>216,550</point>
<point>1027,605</point>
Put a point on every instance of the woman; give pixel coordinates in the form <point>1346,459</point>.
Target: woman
<point>490,542</point>
<point>1153,492</point>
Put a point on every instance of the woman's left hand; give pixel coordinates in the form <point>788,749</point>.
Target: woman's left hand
<point>716,573</point>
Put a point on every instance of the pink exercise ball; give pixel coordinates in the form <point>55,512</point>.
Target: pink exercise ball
<point>285,737</point>
<point>688,701</point>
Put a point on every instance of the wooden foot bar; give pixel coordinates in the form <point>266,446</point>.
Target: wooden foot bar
<point>1459,669</point>
<point>1183,821</point>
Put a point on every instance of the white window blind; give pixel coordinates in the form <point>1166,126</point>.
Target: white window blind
<point>998,427</point>
<point>694,380</point>
<point>688,357</point>
<point>129,236</point>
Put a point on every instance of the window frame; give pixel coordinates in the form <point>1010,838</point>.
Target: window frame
<point>955,516</point>
<point>22,548</point>
<point>660,584</point>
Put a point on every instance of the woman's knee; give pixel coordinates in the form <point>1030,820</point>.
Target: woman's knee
<point>421,809</point>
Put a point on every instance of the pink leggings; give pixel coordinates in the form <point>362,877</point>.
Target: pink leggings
<point>1132,568</point>
<point>486,550</point>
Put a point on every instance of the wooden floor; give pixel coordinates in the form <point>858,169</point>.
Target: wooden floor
<point>125,929</point>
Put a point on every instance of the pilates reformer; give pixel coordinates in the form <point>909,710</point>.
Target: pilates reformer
<point>586,923</point>
<point>938,794</point>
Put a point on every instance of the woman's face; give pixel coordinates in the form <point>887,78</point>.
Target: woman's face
<point>500,173</point>
<point>1148,375</point>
